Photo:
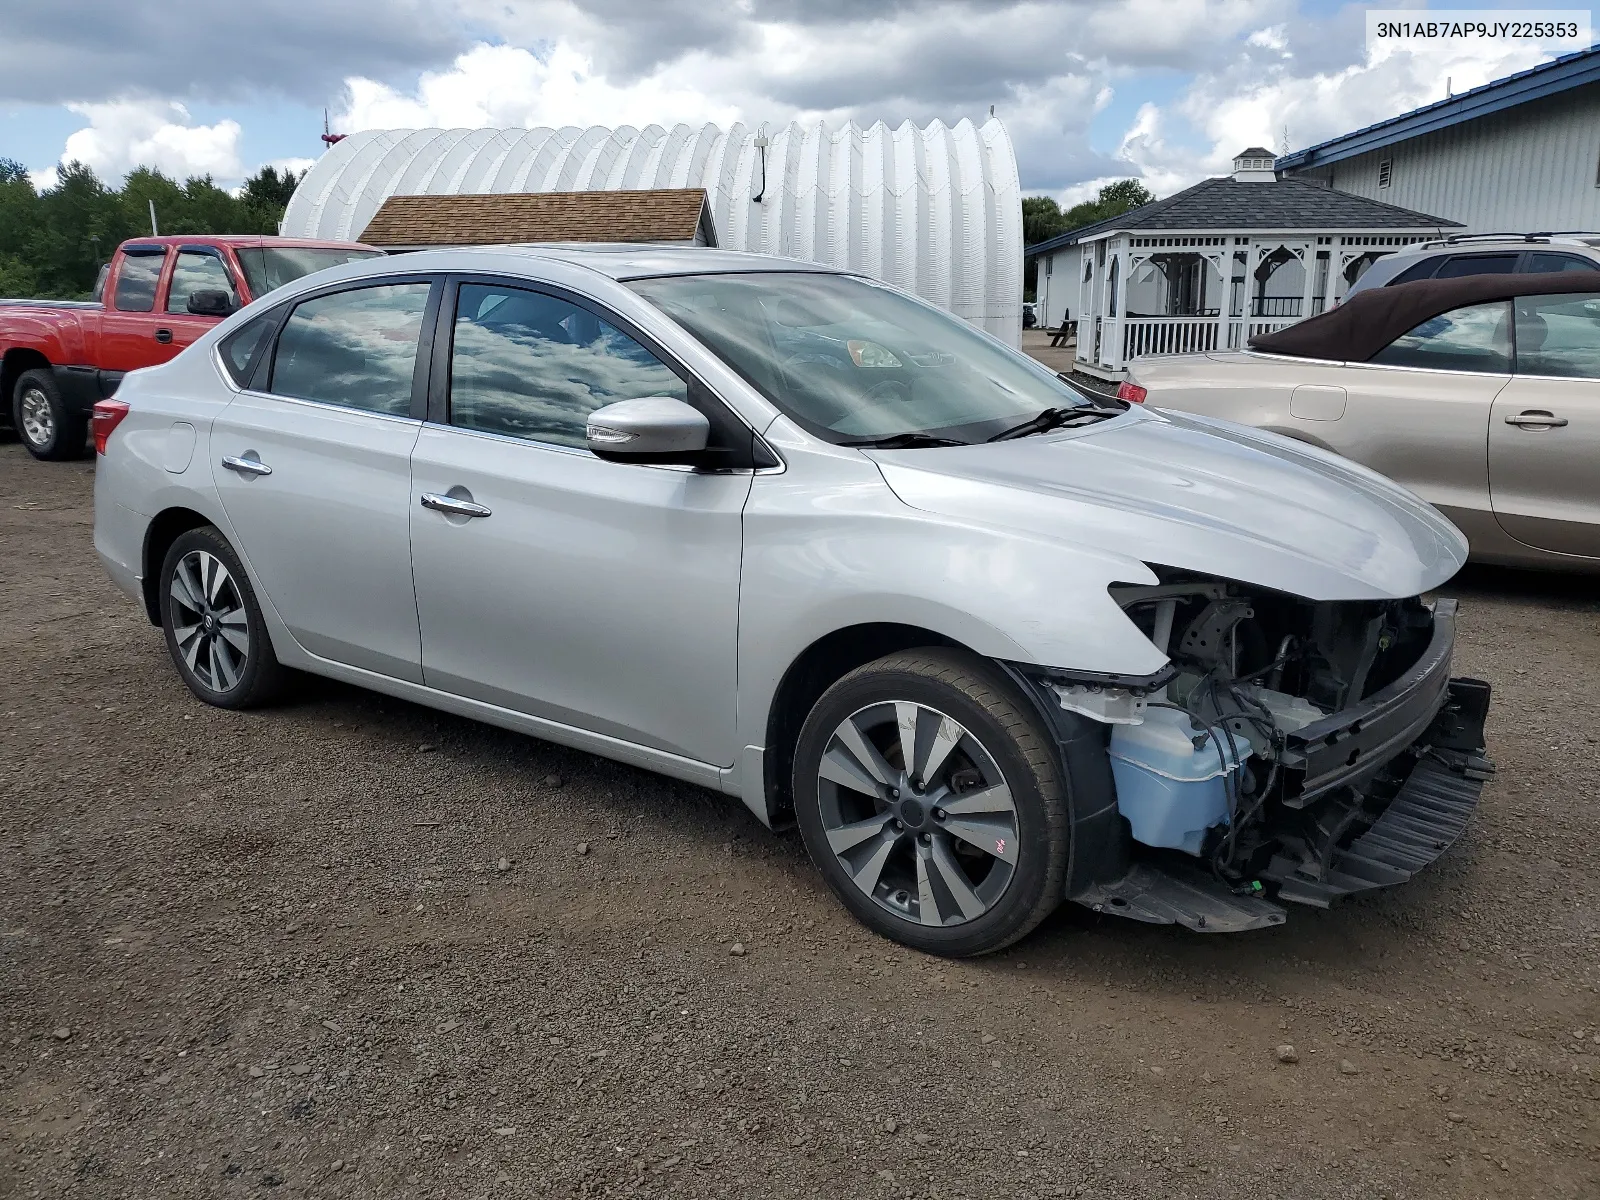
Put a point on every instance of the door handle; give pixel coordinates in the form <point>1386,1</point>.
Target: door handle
<point>1536,418</point>
<point>246,466</point>
<point>452,506</point>
<point>164,336</point>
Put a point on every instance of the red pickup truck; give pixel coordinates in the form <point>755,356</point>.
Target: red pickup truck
<point>158,294</point>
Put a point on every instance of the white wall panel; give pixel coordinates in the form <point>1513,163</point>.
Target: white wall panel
<point>936,211</point>
<point>1529,168</point>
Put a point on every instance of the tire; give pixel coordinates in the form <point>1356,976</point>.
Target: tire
<point>213,625</point>
<point>894,855</point>
<point>43,422</point>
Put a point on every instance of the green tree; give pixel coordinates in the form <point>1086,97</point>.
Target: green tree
<point>1042,218</point>
<point>53,242</point>
<point>270,188</point>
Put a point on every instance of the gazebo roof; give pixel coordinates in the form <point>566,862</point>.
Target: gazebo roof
<point>1227,204</point>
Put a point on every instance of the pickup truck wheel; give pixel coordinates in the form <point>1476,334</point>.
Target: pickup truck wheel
<point>930,799</point>
<point>43,423</point>
<point>215,633</point>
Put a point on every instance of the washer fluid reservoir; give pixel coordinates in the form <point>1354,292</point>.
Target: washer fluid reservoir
<point>1172,777</point>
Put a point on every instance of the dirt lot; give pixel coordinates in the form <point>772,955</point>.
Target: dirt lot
<point>278,954</point>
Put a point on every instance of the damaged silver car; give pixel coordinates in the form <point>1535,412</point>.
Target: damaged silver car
<point>785,532</point>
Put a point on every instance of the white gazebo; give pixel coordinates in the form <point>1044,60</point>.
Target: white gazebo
<point>1215,264</point>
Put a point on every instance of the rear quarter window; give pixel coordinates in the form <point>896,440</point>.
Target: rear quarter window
<point>242,349</point>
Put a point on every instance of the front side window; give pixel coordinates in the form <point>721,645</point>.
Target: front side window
<point>852,360</point>
<point>1542,261</point>
<point>1559,335</point>
<point>528,365</point>
<point>267,268</point>
<point>137,279</point>
<point>197,273</point>
<point>356,348</point>
<point>1475,338</point>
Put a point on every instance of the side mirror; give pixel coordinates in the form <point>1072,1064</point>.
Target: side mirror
<point>656,429</point>
<point>213,302</point>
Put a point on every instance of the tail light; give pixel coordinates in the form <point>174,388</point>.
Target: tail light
<point>1132,393</point>
<point>107,416</point>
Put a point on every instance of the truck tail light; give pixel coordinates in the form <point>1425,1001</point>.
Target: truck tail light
<point>1132,393</point>
<point>107,416</point>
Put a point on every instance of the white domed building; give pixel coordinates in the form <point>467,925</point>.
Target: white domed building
<point>934,210</point>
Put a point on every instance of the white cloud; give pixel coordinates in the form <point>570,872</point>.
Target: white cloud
<point>124,134</point>
<point>507,86</point>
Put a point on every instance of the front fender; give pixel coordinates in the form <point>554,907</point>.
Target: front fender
<point>818,560</point>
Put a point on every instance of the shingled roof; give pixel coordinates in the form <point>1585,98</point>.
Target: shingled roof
<point>679,215</point>
<point>1228,204</point>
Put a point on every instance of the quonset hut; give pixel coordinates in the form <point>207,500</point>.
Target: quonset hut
<point>936,211</point>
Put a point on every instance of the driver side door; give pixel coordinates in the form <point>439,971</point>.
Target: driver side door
<point>597,595</point>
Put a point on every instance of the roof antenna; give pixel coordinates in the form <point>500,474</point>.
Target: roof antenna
<point>329,138</point>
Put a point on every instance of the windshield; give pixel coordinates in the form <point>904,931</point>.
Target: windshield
<point>851,360</point>
<point>269,267</point>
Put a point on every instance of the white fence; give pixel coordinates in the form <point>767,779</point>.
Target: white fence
<point>1142,336</point>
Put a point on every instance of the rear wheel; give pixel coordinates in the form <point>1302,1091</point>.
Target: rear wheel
<point>930,799</point>
<point>44,424</point>
<point>213,624</point>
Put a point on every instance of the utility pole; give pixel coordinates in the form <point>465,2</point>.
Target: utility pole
<point>154,232</point>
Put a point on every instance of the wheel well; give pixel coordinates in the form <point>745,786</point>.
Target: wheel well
<point>819,666</point>
<point>15,362</point>
<point>164,530</point>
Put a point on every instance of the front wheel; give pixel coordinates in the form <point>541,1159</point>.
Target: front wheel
<point>47,428</point>
<point>215,633</point>
<point>929,797</point>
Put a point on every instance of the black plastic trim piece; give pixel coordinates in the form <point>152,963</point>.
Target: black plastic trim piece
<point>1099,843</point>
<point>1350,745</point>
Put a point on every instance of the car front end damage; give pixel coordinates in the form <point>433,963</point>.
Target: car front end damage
<point>1291,751</point>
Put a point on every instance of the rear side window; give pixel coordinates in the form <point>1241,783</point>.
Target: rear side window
<point>1559,335</point>
<point>1478,264</point>
<point>198,273</point>
<point>137,279</point>
<point>1545,261</point>
<point>356,348</point>
<point>1475,338</point>
<point>241,349</point>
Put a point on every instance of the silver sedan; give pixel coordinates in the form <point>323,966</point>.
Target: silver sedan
<point>788,533</point>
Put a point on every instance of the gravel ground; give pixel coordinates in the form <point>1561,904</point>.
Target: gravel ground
<point>350,947</point>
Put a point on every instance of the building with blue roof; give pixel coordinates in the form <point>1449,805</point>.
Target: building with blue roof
<point>1519,155</point>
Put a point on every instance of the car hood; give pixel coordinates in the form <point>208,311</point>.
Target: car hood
<point>1198,494</point>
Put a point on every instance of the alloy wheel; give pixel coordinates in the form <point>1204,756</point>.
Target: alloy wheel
<point>209,622</point>
<point>918,813</point>
<point>38,418</point>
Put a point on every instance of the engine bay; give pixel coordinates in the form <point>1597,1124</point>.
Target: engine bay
<point>1281,730</point>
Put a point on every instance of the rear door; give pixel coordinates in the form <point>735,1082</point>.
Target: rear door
<point>1544,431</point>
<point>128,325</point>
<point>313,465</point>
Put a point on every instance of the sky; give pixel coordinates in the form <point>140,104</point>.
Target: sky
<point>1166,91</point>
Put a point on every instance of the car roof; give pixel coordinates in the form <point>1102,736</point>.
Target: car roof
<point>617,260</point>
<point>245,239</point>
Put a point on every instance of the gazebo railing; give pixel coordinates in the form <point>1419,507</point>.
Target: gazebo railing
<point>1167,335</point>
<point>1240,332</point>
<point>1275,306</point>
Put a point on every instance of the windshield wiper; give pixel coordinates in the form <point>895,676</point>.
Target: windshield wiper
<point>905,441</point>
<point>1055,418</point>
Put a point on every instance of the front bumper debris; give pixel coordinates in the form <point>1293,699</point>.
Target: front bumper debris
<point>1386,787</point>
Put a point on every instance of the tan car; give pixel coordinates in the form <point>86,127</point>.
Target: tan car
<point>1482,395</point>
